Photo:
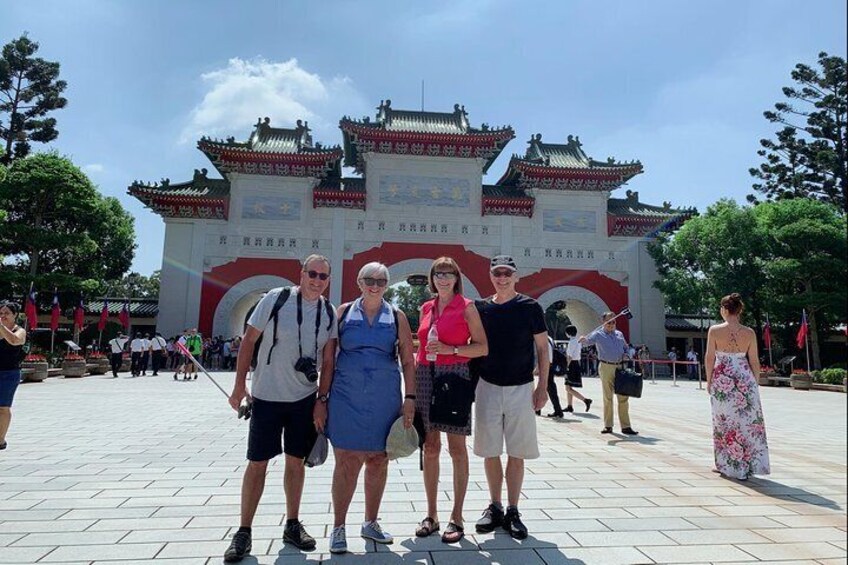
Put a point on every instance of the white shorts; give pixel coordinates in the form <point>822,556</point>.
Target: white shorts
<point>505,413</point>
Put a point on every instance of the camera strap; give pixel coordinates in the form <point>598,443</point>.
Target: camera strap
<point>300,322</point>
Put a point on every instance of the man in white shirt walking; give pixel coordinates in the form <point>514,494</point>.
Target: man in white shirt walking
<point>157,349</point>
<point>116,346</point>
<point>136,351</point>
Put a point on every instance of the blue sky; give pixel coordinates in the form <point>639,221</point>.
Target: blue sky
<point>680,86</point>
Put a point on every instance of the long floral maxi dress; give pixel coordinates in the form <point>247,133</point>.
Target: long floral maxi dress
<point>739,433</point>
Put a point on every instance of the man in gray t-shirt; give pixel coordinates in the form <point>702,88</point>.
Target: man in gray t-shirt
<point>283,394</point>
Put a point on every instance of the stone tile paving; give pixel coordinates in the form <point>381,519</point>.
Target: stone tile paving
<point>148,471</point>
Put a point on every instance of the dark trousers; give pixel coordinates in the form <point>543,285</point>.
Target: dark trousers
<point>157,361</point>
<point>135,362</point>
<point>554,395</point>
<point>145,360</point>
<point>116,359</point>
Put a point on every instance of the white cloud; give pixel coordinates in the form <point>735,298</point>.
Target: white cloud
<point>93,168</point>
<point>244,90</point>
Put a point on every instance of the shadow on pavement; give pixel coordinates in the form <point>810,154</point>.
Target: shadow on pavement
<point>784,492</point>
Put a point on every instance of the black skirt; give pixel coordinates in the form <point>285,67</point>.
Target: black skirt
<point>573,377</point>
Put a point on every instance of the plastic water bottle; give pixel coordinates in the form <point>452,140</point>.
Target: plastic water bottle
<point>432,337</point>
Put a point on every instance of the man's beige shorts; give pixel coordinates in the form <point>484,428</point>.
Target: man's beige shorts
<point>505,414</point>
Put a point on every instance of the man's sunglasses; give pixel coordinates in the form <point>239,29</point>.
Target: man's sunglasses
<point>502,273</point>
<point>317,275</point>
<point>370,281</point>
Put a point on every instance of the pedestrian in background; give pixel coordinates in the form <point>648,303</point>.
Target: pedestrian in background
<point>12,339</point>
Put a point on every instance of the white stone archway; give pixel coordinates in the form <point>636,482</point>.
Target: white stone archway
<point>235,304</point>
<point>401,270</point>
<point>583,306</point>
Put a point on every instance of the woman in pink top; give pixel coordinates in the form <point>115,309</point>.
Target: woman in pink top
<point>461,338</point>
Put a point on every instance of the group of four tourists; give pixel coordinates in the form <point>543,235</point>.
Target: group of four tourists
<point>362,350</point>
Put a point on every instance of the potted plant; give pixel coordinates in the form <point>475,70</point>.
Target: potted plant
<point>39,366</point>
<point>800,379</point>
<point>100,362</point>
<point>73,365</point>
<point>765,373</point>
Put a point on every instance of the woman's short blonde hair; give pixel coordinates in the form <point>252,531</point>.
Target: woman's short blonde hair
<point>454,267</point>
<point>374,268</point>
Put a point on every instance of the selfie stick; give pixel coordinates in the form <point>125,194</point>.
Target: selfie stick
<point>625,312</point>
<point>188,354</point>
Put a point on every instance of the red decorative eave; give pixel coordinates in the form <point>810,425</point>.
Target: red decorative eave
<point>493,206</point>
<point>243,160</point>
<point>643,226</point>
<point>338,199</point>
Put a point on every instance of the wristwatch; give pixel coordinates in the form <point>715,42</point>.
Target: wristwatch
<point>456,350</point>
<point>323,398</point>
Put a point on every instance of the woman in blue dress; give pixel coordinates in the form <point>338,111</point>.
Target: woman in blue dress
<point>365,399</point>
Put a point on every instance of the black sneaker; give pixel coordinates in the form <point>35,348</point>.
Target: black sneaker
<point>569,409</point>
<point>493,516</point>
<point>513,524</point>
<point>296,535</point>
<point>239,547</point>
<point>629,432</point>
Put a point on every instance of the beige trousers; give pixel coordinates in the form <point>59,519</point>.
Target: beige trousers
<point>607,373</point>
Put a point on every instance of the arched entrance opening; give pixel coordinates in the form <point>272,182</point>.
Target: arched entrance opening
<point>239,301</point>
<point>581,307</point>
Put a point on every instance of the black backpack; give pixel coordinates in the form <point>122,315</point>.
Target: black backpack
<point>275,310</point>
<point>559,364</point>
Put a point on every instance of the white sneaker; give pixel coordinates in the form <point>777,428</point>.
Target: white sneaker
<point>373,531</point>
<point>338,540</point>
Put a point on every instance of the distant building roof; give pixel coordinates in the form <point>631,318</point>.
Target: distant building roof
<point>200,197</point>
<point>631,218</point>
<point>139,307</point>
<point>688,322</point>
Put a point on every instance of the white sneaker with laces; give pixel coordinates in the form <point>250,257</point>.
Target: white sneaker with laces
<point>338,540</point>
<point>373,531</point>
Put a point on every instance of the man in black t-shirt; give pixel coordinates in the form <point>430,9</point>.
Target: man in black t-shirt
<point>506,399</point>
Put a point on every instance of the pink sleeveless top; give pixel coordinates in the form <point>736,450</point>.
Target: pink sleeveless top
<point>451,325</point>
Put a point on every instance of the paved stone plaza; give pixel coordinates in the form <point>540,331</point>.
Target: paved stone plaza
<point>148,470</point>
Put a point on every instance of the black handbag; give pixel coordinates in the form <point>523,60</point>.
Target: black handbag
<point>452,397</point>
<point>628,382</point>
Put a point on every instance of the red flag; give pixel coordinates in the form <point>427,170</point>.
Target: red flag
<point>767,334</point>
<point>79,315</point>
<point>55,312</point>
<point>124,316</point>
<point>104,315</point>
<point>801,338</point>
<point>30,310</point>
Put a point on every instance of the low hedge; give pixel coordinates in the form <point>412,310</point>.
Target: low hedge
<point>832,376</point>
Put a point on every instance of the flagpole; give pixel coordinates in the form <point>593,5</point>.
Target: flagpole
<point>771,362</point>
<point>806,341</point>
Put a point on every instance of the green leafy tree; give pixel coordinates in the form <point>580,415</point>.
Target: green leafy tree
<point>135,285</point>
<point>59,231</point>
<point>712,255</point>
<point>29,90</point>
<point>808,156</point>
<point>807,266</point>
<point>408,299</point>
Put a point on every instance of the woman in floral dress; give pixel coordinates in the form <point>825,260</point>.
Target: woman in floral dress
<point>739,434</point>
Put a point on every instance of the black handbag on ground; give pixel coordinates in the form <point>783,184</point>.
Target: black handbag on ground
<point>628,382</point>
<point>452,398</point>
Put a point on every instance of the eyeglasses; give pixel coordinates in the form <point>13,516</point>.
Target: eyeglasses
<point>502,273</point>
<point>444,275</point>
<point>370,281</point>
<point>317,275</point>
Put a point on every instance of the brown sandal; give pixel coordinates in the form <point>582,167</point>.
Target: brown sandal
<point>427,527</point>
<point>453,533</point>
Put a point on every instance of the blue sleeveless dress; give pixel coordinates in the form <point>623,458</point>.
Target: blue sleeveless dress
<point>365,398</point>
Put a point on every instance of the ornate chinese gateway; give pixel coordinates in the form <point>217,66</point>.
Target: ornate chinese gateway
<point>419,194</point>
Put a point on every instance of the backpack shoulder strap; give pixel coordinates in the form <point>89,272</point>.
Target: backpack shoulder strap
<point>397,330</point>
<point>279,303</point>
<point>330,312</point>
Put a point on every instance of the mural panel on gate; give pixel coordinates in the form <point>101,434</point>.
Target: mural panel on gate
<point>565,221</point>
<point>425,191</point>
<point>270,208</point>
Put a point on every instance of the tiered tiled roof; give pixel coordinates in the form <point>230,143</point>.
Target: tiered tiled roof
<point>339,193</point>
<point>139,307</point>
<point>410,132</point>
<point>629,217</point>
<point>506,201</point>
<point>200,197</point>
<point>565,167</point>
<point>274,151</point>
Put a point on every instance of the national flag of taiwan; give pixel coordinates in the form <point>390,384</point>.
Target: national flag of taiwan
<point>801,338</point>
<point>79,315</point>
<point>30,309</point>
<point>104,315</point>
<point>767,334</point>
<point>124,316</point>
<point>55,312</point>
